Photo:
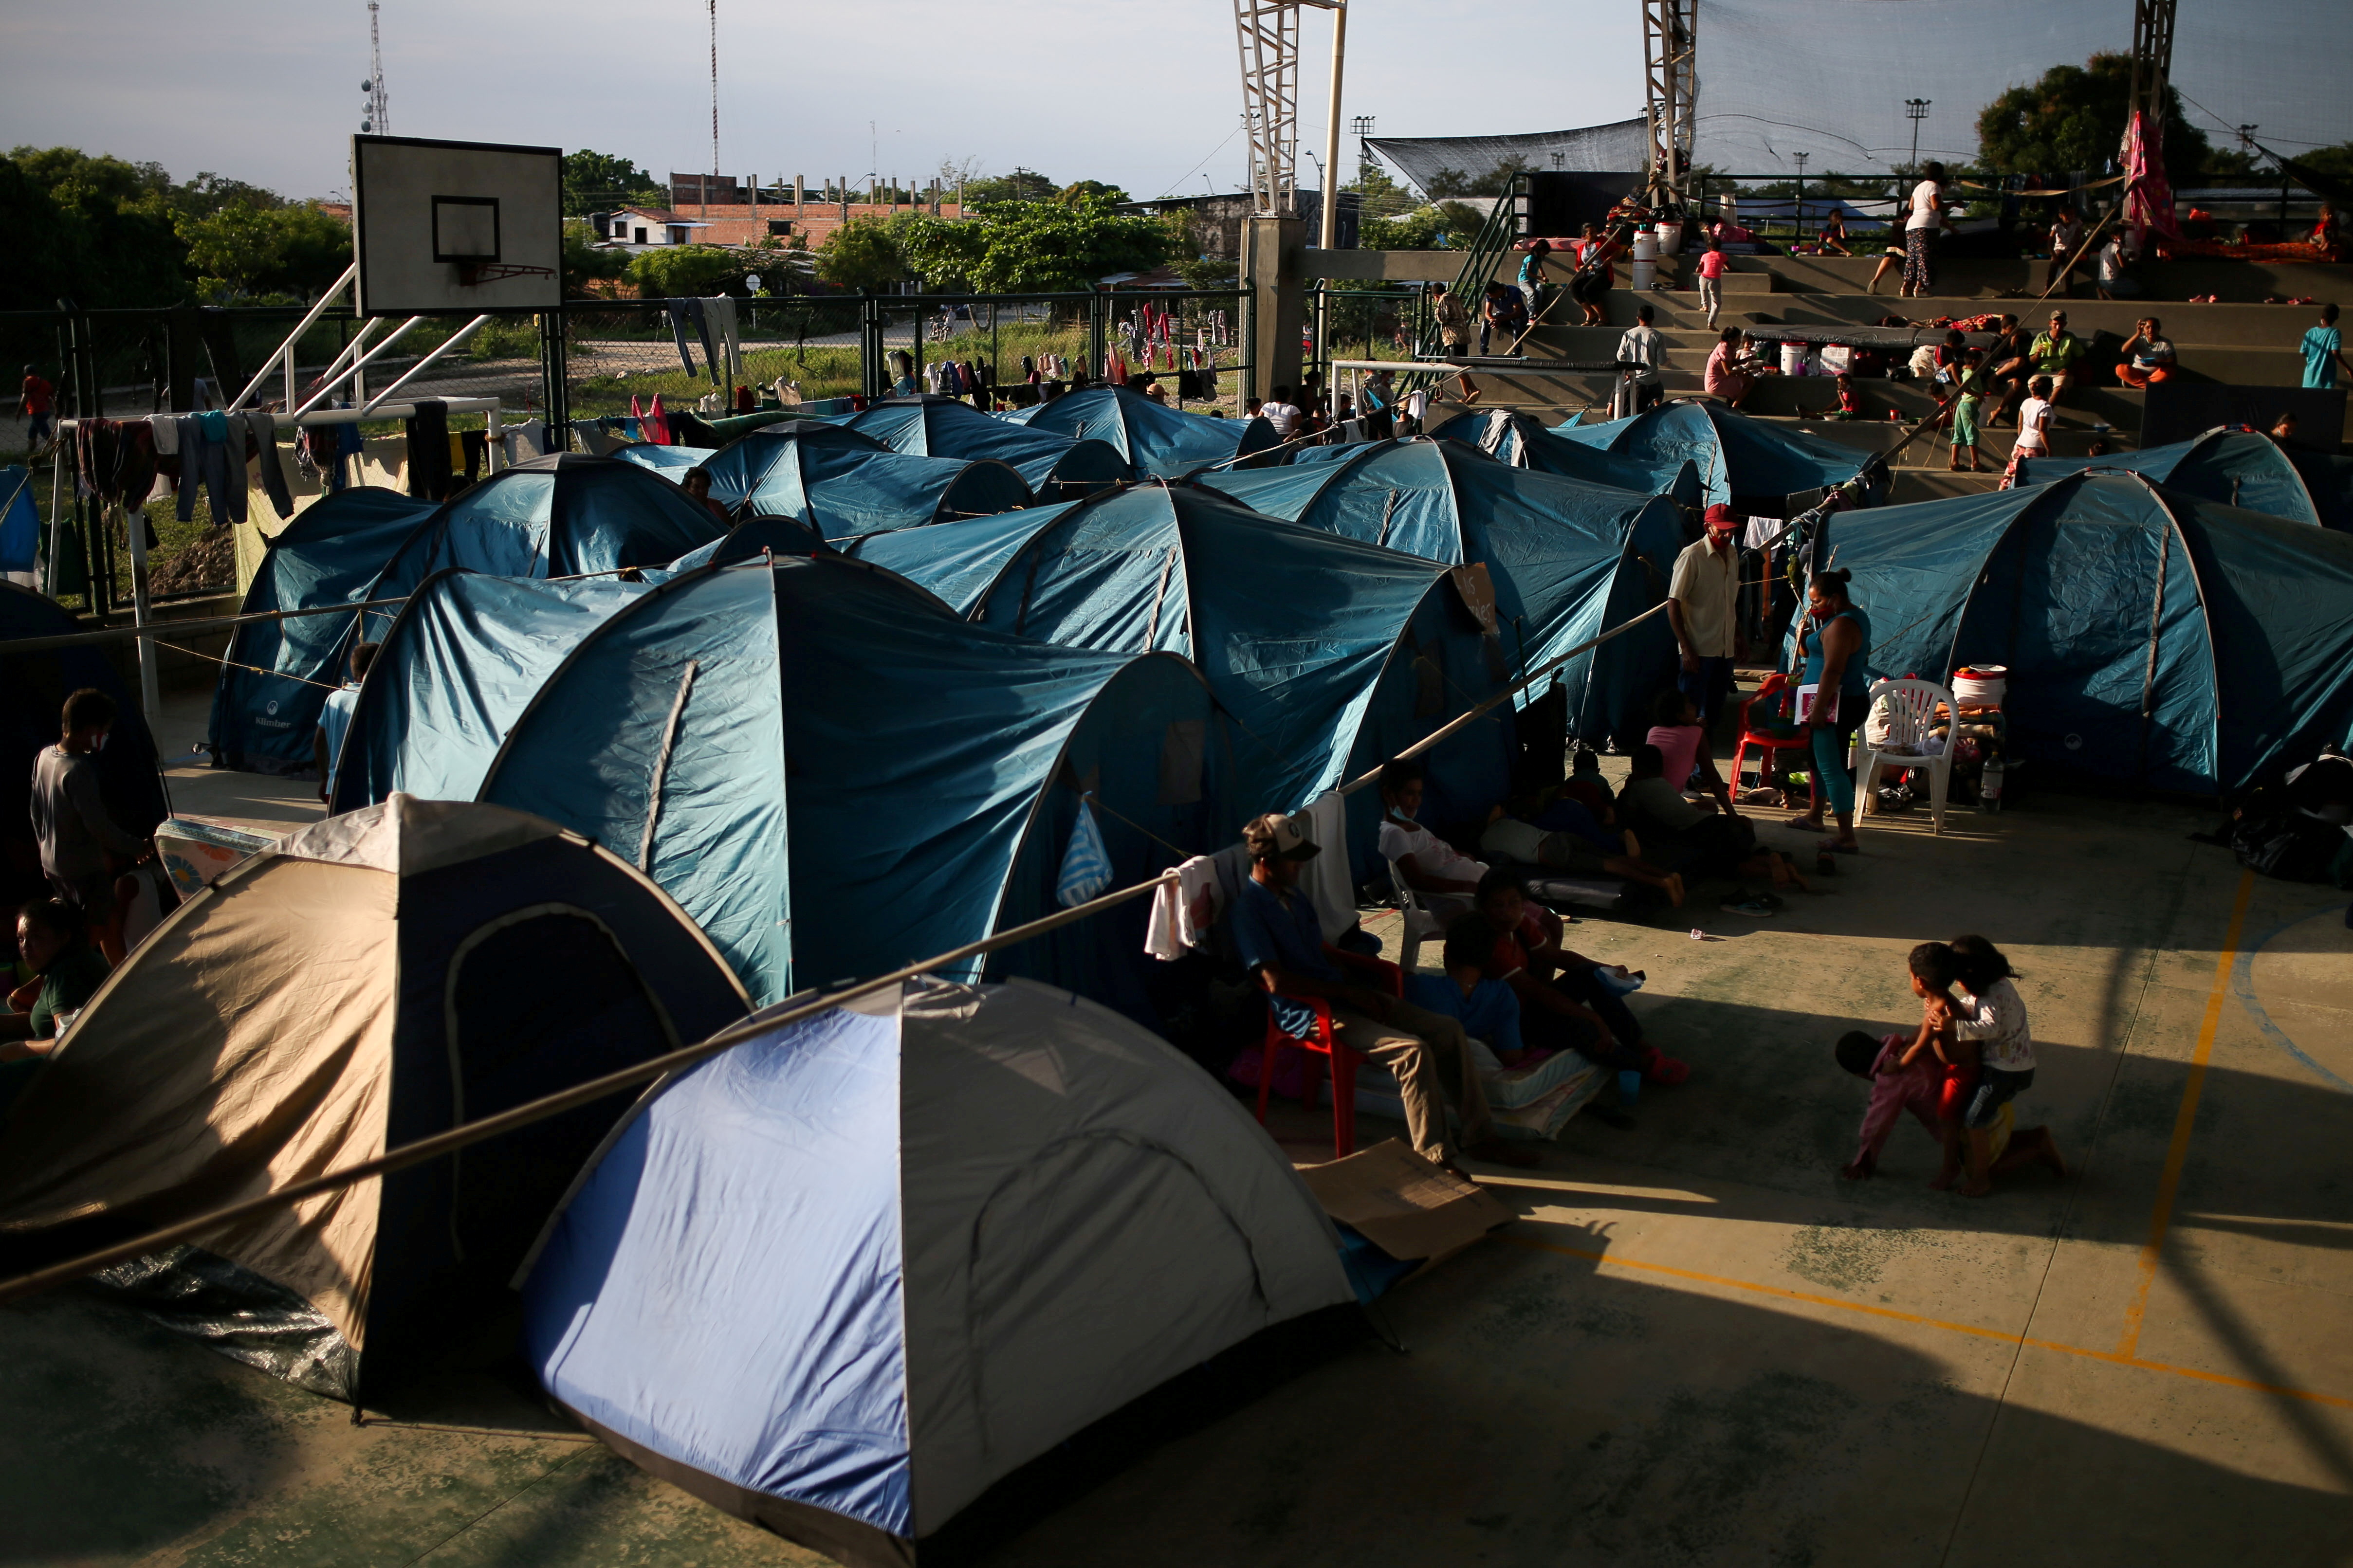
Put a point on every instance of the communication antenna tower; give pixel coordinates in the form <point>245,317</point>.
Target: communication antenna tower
<point>377,116</point>
<point>1671,88</point>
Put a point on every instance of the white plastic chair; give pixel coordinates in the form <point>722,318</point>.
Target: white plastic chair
<point>1907,710</point>
<point>1419,924</point>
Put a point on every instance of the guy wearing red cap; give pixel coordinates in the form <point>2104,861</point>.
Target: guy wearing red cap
<point>1702,601</point>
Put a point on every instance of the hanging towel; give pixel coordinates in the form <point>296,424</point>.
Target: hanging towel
<point>429,450</point>
<point>261,429</point>
<point>678,314</point>
<point>1325,875</point>
<point>719,312</point>
<point>166,428</point>
<point>134,462</point>
<point>1183,911</point>
<point>1086,864</point>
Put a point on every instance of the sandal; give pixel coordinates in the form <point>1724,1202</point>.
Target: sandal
<point>1832,846</point>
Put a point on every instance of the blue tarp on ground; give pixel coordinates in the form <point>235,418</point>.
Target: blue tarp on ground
<point>1568,560</point>
<point>1330,654</point>
<point>2149,635</point>
<point>1518,438</point>
<point>1057,466</point>
<point>1736,456</point>
<point>2236,468</point>
<point>331,553</point>
<point>1161,442</point>
<point>917,762</point>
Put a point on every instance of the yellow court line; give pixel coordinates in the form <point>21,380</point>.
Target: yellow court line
<point>2115,1358</point>
<point>2185,1121</point>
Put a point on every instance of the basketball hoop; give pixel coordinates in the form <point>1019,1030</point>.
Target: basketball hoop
<point>474,274</point>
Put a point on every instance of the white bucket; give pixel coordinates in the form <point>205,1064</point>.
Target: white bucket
<point>1793,359</point>
<point>1980,686</point>
<point>1646,246</point>
<point>1670,239</point>
<point>1646,274</point>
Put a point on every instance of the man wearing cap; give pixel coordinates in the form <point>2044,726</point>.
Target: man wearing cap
<point>1280,941</point>
<point>1702,605</point>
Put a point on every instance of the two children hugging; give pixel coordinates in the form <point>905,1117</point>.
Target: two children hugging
<point>1972,1056</point>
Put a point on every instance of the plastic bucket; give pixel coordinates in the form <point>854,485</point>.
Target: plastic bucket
<point>1670,239</point>
<point>1982,684</point>
<point>1646,274</point>
<point>1646,246</point>
<point>1793,359</point>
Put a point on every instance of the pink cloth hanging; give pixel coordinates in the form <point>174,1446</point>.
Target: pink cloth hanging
<point>656,424</point>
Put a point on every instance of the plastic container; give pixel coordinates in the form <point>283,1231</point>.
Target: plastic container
<point>1980,686</point>
<point>1670,239</point>
<point>1793,359</point>
<point>1646,260</point>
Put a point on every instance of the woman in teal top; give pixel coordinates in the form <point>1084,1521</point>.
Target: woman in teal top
<point>1837,649</point>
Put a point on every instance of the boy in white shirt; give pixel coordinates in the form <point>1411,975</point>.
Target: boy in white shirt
<point>1446,879</point>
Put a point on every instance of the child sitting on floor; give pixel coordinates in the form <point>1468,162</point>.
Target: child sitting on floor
<point>1896,1087</point>
<point>1989,1017</point>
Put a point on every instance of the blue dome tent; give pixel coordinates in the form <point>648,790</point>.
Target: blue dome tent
<point>267,702</point>
<point>1161,442</point>
<point>1745,464</point>
<point>2237,468</point>
<point>557,516</point>
<point>735,468</point>
<point>1055,466</point>
<point>1513,436</point>
<point>839,493</point>
<point>833,776</point>
<point>1568,560</point>
<point>33,691</point>
<point>1330,654</point>
<point>2149,635</point>
<point>456,668</point>
<point>960,1226</point>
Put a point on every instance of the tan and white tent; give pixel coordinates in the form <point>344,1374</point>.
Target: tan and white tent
<point>375,978</point>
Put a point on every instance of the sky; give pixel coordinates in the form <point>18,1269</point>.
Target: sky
<point>1145,94</point>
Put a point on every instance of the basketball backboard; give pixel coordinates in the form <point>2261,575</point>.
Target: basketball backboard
<point>456,227</point>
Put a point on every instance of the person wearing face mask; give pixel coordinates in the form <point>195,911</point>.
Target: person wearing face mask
<point>69,816</point>
<point>1837,648</point>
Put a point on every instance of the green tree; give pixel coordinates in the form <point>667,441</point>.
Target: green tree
<point>1084,189</point>
<point>243,250</point>
<point>2329,163</point>
<point>1021,185</point>
<point>674,271</point>
<point>599,182</point>
<point>1046,246</point>
<point>584,261</point>
<point>862,254</point>
<point>2073,118</point>
<point>105,235</point>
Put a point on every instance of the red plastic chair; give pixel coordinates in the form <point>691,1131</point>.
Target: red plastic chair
<point>1783,698</point>
<point>1376,970</point>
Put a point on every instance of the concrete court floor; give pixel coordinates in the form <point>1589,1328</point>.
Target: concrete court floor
<point>1696,1345</point>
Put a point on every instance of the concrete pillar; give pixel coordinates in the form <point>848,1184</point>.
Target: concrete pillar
<point>1271,259</point>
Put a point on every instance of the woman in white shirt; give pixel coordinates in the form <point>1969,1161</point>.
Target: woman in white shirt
<point>1920,232</point>
<point>2034,420</point>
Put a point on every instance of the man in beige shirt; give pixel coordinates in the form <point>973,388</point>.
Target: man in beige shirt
<point>1702,601</point>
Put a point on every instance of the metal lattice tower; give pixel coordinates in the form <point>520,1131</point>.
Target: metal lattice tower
<point>1268,33</point>
<point>379,103</point>
<point>713,7</point>
<point>2152,61</point>
<point>1671,87</point>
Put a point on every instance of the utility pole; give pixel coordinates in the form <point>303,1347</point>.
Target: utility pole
<point>712,5</point>
<point>1915,110</point>
<point>1799,159</point>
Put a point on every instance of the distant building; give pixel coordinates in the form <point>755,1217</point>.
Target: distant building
<point>1217,220</point>
<point>647,226</point>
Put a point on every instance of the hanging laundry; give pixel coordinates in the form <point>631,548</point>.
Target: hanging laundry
<point>254,438</point>
<point>429,450</point>
<point>719,318</point>
<point>1086,864</point>
<point>205,463</point>
<point>477,447</point>
<point>680,311</point>
<point>656,424</point>
<point>134,462</point>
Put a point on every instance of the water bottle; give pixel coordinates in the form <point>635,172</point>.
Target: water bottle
<point>1630,1087</point>
<point>1989,784</point>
